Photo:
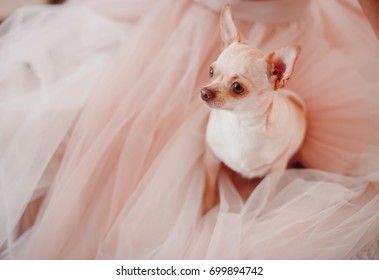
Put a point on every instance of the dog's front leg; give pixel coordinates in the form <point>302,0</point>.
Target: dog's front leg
<point>211,168</point>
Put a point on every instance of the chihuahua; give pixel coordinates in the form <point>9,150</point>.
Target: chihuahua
<point>255,127</point>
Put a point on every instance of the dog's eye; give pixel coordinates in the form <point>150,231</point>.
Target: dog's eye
<point>237,88</point>
<point>211,72</point>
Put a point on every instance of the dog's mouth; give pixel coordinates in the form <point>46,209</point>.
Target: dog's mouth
<point>215,104</point>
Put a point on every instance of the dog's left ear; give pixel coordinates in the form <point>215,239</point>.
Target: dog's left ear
<point>280,65</point>
<point>229,31</point>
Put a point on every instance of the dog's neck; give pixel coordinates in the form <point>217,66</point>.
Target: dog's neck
<point>257,117</point>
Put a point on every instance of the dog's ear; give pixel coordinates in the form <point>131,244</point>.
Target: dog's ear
<point>280,65</point>
<point>229,31</point>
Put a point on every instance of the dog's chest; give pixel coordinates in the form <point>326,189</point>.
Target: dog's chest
<point>241,144</point>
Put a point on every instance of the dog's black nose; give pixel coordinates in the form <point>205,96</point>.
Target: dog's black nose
<point>207,94</point>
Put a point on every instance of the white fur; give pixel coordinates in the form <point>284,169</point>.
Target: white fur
<point>256,145</point>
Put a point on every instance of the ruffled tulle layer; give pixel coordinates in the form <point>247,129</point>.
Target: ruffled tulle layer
<point>102,136</point>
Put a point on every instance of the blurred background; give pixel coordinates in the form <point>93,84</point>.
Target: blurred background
<point>9,6</point>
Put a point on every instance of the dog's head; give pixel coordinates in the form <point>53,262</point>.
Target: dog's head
<point>244,78</point>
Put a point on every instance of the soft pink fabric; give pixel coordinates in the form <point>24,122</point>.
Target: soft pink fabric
<point>102,134</point>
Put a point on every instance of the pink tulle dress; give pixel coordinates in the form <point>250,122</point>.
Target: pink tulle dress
<point>102,134</point>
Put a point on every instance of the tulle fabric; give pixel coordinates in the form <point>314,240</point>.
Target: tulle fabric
<point>102,136</point>
<point>51,60</point>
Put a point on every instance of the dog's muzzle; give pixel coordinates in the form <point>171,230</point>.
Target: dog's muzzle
<point>208,94</point>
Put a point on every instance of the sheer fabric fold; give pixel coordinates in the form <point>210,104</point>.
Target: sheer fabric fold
<point>102,135</point>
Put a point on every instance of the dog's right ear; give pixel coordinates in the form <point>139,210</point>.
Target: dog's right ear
<point>229,31</point>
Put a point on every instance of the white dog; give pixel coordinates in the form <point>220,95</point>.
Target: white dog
<point>253,129</point>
